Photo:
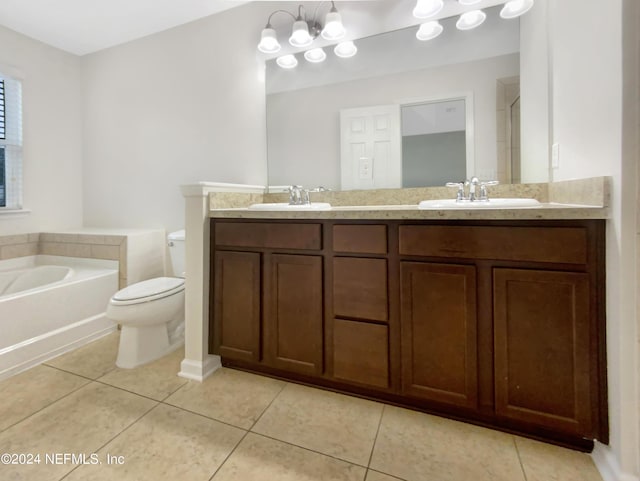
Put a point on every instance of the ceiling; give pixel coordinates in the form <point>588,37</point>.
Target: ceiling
<point>84,26</point>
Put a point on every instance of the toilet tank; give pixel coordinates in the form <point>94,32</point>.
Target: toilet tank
<point>175,241</point>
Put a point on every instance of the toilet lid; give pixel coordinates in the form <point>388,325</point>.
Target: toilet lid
<point>152,287</point>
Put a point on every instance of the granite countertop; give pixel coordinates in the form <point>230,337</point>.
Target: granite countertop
<point>549,211</point>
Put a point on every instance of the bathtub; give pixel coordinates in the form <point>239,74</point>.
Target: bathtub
<point>50,305</point>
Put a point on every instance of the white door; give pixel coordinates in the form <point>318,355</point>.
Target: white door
<point>371,148</point>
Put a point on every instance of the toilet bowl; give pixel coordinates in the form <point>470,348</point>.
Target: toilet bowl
<point>151,313</point>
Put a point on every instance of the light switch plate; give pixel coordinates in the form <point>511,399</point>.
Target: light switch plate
<point>365,170</point>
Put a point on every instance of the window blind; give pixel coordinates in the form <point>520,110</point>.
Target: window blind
<point>10,143</point>
<point>2,121</point>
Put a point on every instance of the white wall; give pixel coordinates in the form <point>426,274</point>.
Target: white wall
<point>534,94</point>
<point>177,107</point>
<point>304,130</point>
<point>587,121</point>
<point>52,140</point>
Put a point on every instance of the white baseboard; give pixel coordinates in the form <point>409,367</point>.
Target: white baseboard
<point>199,370</point>
<point>608,465</point>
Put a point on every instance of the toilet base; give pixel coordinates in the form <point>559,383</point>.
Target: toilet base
<point>141,345</point>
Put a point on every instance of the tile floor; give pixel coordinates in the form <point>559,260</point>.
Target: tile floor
<point>149,424</point>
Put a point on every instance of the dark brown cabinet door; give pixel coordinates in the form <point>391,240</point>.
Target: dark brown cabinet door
<point>439,323</point>
<point>541,329</point>
<point>294,313</point>
<point>361,352</point>
<point>360,288</point>
<point>237,305</point>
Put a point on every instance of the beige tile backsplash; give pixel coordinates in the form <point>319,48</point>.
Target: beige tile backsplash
<point>110,247</point>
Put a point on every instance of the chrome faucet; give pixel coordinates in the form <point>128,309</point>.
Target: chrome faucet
<point>298,195</point>
<point>473,183</point>
<point>477,190</point>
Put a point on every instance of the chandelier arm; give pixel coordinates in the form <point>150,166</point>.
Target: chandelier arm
<point>315,11</point>
<point>279,11</point>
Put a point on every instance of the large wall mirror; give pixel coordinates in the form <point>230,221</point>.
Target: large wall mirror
<point>436,111</point>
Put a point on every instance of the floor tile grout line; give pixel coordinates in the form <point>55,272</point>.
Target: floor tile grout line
<point>78,374</point>
<point>114,437</point>
<point>386,474</point>
<point>268,406</point>
<point>186,381</point>
<point>229,455</point>
<point>128,391</point>
<point>375,439</point>
<point>66,371</point>
<point>353,463</point>
<point>209,418</point>
<point>515,444</point>
<point>46,406</point>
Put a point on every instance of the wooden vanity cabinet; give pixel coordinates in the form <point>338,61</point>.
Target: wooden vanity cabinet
<point>506,319</point>
<point>497,322</point>
<point>542,348</point>
<point>360,324</point>
<point>267,304</point>
<point>439,332</point>
<point>293,320</point>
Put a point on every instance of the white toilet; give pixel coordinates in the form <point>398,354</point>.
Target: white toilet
<point>151,312</point>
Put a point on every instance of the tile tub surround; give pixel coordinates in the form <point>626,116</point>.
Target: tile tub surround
<point>200,432</point>
<point>19,245</point>
<point>140,253</point>
<point>88,246</point>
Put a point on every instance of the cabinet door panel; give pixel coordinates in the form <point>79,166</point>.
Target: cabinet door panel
<point>237,305</point>
<point>439,323</point>
<point>293,328</point>
<point>361,352</point>
<point>360,288</point>
<point>542,348</point>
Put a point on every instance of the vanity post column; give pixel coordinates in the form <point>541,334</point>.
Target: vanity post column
<point>198,363</point>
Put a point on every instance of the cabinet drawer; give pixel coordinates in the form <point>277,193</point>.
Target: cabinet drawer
<point>361,352</point>
<point>360,288</point>
<point>533,244</point>
<point>268,235</point>
<point>365,239</point>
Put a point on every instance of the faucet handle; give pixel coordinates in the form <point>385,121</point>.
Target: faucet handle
<point>460,187</point>
<point>483,188</point>
<point>320,189</point>
<point>295,194</point>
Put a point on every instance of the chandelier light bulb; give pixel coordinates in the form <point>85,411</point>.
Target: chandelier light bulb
<point>268,41</point>
<point>471,19</point>
<point>287,61</point>
<point>345,49</point>
<point>315,55</point>
<point>333,27</point>
<point>468,2</point>
<point>429,30</point>
<point>427,8</point>
<point>515,8</point>
<point>300,34</point>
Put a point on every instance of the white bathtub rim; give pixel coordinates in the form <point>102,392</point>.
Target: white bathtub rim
<point>83,270</point>
<point>97,326</point>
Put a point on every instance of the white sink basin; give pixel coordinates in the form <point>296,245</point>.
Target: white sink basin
<point>488,204</point>
<point>286,206</point>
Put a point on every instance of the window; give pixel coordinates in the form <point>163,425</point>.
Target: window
<point>10,143</point>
